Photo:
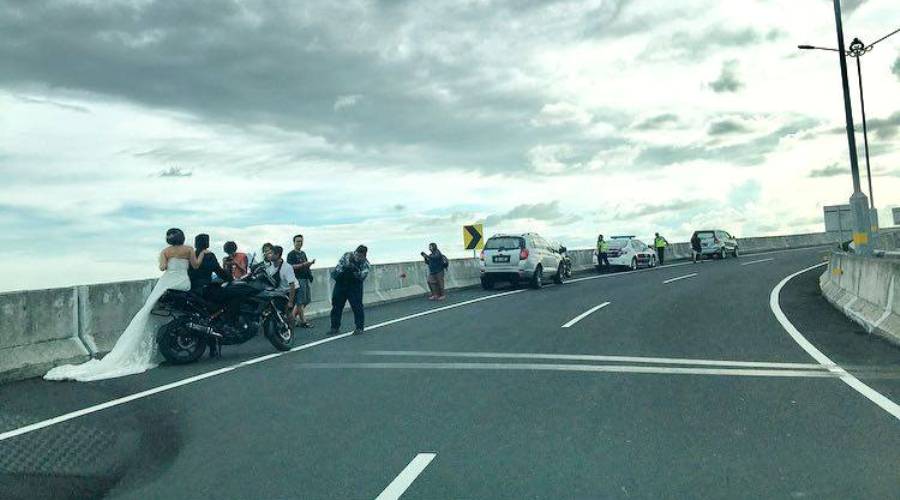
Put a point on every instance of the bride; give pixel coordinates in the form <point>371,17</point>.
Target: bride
<point>135,351</point>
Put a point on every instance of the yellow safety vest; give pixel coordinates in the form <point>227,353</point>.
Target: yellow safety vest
<point>603,246</point>
<point>661,242</point>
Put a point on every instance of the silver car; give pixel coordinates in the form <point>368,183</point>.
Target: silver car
<point>717,243</point>
<point>516,258</point>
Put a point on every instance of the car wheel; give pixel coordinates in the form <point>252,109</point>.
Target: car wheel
<point>652,261</point>
<point>736,252</point>
<point>487,284</point>
<point>633,264</point>
<point>558,279</point>
<point>722,254</point>
<point>537,280</point>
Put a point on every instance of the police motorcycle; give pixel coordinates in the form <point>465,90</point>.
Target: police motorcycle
<point>223,314</point>
<point>566,262</point>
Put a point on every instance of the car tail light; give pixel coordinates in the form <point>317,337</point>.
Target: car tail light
<point>523,254</point>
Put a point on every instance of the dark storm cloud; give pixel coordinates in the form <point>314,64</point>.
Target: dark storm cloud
<point>881,128</point>
<point>728,80</point>
<point>726,127</point>
<point>832,170</point>
<point>440,87</point>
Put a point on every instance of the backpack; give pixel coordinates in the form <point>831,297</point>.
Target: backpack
<point>445,262</point>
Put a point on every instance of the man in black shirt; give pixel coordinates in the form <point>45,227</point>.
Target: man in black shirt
<point>301,264</point>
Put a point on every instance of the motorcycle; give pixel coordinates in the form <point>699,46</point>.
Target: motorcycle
<point>223,314</point>
<point>566,262</point>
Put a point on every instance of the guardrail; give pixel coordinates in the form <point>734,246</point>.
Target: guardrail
<point>43,328</point>
<point>866,290</point>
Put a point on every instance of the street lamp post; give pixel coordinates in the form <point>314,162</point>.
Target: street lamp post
<point>864,214</point>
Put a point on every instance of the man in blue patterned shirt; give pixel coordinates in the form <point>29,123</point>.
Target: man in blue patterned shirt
<point>348,275</point>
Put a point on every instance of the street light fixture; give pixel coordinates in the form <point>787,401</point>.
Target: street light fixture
<point>863,211</point>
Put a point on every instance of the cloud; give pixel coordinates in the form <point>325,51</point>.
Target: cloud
<point>882,128</point>
<point>698,44</point>
<point>346,101</point>
<point>549,212</point>
<point>561,113</point>
<point>726,127</point>
<point>175,172</point>
<point>896,67</point>
<point>728,80</point>
<point>668,208</point>
<point>658,121</point>
<point>832,170</point>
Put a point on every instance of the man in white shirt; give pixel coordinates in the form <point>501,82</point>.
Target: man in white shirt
<point>285,281</point>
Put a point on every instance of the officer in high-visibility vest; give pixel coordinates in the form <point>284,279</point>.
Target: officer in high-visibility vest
<point>602,253</point>
<point>660,243</point>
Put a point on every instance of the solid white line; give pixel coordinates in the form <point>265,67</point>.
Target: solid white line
<point>686,276</point>
<point>591,357</point>
<point>585,314</point>
<point>402,482</point>
<point>626,273</point>
<point>873,395</point>
<point>757,261</point>
<point>196,378</point>
<point>664,370</point>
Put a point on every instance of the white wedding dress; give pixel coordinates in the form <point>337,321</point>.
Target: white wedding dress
<point>135,351</point>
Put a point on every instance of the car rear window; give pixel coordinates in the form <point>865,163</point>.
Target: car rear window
<point>706,235</point>
<point>504,242</point>
<point>618,243</point>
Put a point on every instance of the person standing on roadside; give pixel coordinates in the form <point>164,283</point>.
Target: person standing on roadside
<point>696,248</point>
<point>660,243</point>
<point>602,253</point>
<point>348,275</point>
<point>301,265</point>
<point>437,264</point>
<point>283,276</point>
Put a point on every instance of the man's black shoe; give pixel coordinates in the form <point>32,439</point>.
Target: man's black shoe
<point>358,331</point>
<point>333,331</point>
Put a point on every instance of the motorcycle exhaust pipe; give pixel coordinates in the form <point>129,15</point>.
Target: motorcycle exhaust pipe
<point>207,330</point>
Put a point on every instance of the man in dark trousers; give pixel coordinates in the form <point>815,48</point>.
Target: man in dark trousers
<point>696,248</point>
<point>602,253</point>
<point>660,243</point>
<point>348,275</point>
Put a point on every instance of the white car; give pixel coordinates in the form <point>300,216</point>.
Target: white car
<point>629,253</point>
<point>515,258</point>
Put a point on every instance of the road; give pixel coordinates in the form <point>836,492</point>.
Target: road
<point>684,385</point>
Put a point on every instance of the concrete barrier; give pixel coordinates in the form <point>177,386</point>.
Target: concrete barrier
<point>38,330</point>
<point>867,290</point>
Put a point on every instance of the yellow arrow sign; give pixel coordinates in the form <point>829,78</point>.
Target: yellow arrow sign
<point>473,237</point>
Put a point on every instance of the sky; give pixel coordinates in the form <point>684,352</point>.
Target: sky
<point>394,123</point>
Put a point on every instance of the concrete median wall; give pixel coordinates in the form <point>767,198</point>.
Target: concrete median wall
<point>867,290</point>
<point>40,329</point>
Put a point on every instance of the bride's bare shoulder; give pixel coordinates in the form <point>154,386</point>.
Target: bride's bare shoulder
<point>178,252</point>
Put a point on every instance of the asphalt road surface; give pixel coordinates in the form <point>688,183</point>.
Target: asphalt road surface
<point>684,384</point>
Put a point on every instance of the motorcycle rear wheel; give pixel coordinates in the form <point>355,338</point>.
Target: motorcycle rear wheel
<point>178,344</point>
<point>279,333</point>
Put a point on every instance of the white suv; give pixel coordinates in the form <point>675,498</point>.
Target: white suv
<point>515,258</point>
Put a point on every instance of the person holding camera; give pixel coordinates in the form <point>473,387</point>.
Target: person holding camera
<point>348,275</point>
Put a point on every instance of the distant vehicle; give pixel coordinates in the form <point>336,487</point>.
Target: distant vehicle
<point>515,258</point>
<point>717,243</point>
<point>566,260</point>
<point>628,252</point>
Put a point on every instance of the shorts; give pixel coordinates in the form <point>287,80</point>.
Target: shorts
<point>302,297</point>
<point>437,279</point>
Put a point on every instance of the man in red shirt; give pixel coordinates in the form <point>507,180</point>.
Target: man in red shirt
<point>235,262</point>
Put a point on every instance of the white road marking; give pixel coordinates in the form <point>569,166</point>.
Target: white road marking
<point>626,273</point>
<point>757,261</point>
<point>402,482</point>
<point>592,357</point>
<point>585,314</point>
<point>873,395</point>
<point>196,378</point>
<point>686,276</point>
<point>664,370</point>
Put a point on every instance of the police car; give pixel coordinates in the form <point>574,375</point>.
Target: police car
<point>628,252</point>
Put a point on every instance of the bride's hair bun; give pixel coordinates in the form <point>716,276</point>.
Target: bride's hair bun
<point>175,236</point>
